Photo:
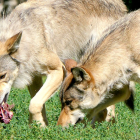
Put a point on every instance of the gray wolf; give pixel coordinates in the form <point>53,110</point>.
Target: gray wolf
<point>107,114</point>
<point>39,35</point>
<point>103,76</point>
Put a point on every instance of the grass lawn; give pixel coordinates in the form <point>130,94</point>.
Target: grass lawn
<point>127,126</point>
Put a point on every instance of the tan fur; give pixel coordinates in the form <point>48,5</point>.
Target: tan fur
<point>106,114</point>
<point>112,65</point>
<point>3,49</point>
<point>52,31</point>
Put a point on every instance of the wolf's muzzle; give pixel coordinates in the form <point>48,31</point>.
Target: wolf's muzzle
<point>79,120</point>
<point>5,98</point>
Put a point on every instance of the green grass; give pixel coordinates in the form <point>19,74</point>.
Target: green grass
<point>127,126</point>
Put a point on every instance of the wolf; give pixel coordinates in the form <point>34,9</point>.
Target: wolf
<point>107,114</point>
<point>101,79</point>
<point>39,35</point>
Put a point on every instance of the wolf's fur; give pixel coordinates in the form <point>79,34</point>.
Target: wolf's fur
<point>39,34</point>
<point>107,114</point>
<point>102,79</point>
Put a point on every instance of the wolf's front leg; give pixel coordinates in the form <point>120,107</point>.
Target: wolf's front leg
<point>33,89</point>
<point>53,81</point>
<point>107,114</point>
<point>110,114</point>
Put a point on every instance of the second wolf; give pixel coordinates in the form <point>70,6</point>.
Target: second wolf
<point>103,76</point>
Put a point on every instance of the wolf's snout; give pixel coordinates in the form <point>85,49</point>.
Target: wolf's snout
<point>5,98</point>
<point>79,120</point>
<point>64,118</point>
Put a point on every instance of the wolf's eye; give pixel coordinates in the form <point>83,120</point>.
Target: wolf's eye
<point>2,76</point>
<point>68,102</point>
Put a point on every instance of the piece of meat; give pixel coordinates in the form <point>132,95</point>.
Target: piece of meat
<point>5,113</point>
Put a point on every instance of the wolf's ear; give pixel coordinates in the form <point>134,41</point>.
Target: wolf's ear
<point>80,74</point>
<point>69,64</point>
<point>12,44</point>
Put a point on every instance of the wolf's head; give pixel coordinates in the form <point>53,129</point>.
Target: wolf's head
<point>77,96</point>
<point>8,65</point>
<point>81,95</point>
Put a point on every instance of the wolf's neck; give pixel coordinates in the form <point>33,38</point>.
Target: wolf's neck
<point>109,70</point>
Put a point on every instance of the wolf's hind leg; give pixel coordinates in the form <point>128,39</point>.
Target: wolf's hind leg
<point>33,89</point>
